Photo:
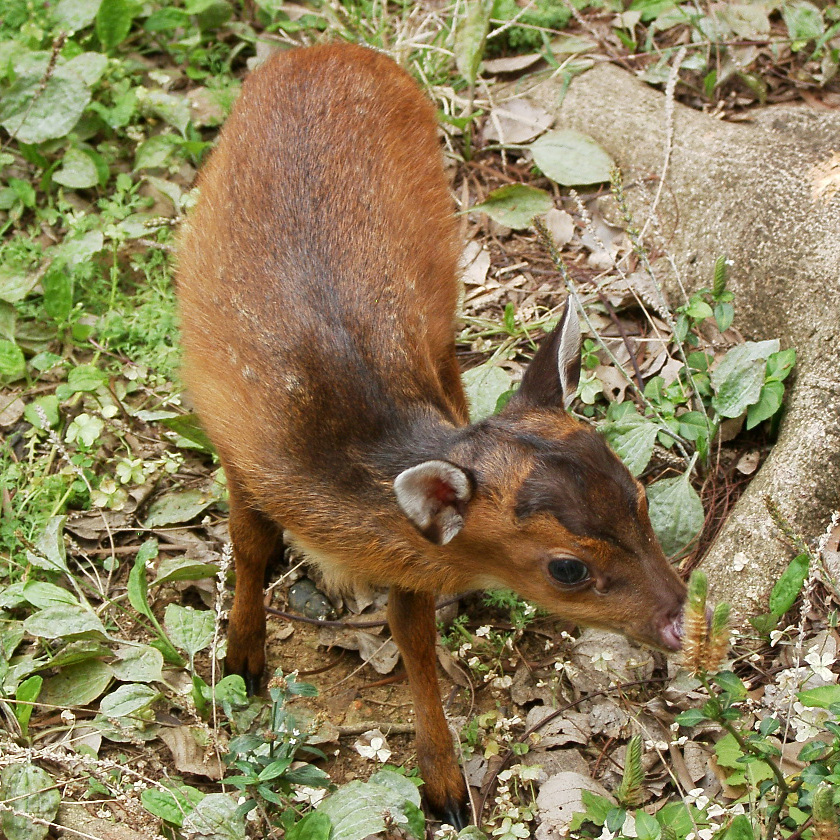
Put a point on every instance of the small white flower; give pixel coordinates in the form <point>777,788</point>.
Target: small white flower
<point>484,630</point>
<point>373,745</point>
<point>820,665</point>
<point>501,682</point>
<point>601,662</point>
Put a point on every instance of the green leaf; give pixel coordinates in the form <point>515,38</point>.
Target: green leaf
<point>740,829</point>
<point>314,826</point>
<point>86,378</point>
<point>821,697</point>
<point>32,791</point>
<point>216,817</point>
<point>113,22</point>
<point>138,587</point>
<point>89,66</point>
<point>789,585</point>
<point>42,595</point>
<point>516,205</point>
<point>647,828</point>
<point>779,365</point>
<point>803,20</point>
<point>769,402</point>
<point>724,315</point>
<point>78,171</point>
<point>690,717</point>
<point>58,291</point>
<point>189,426</point>
<point>15,284</point>
<point>73,15</point>
<point>183,568</point>
<point>470,37</point>
<point>177,507</point>
<point>731,684</point>
<point>26,695</point>
<point>698,309</point>
<point>171,805</point>
<point>189,629</point>
<point>632,437</point>
<point>128,700</point>
<point>34,115</point>
<point>77,685</point>
<point>571,158</point>
<point>64,622</point>
<point>155,151</point>
<point>739,377</point>
<point>50,552</point>
<point>12,362</point>
<point>484,385</point>
<point>676,513</point>
<point>143,664</point>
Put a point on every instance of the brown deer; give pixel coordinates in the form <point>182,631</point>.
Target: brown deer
<point>317,285</point>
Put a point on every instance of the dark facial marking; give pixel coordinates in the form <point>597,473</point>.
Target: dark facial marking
<point>583,485</point>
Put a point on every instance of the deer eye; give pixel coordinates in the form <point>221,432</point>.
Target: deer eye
<point>568,571</point>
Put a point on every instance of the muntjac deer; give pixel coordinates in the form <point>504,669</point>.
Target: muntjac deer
<point>317,285</point>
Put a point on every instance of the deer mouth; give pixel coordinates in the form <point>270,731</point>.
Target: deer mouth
<point>671,634</point>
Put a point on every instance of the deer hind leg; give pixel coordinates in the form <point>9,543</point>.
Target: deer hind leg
<point>256,540</point>
<point>411,616</point>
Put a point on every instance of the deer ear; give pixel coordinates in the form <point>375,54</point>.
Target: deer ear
<point>434,496</point>
<point>551,380</point>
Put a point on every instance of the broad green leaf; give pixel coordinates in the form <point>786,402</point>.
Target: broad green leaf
<point>470,37</point>
<point>12,362</point>
<point>690,717</point>
<point>216,817</point>
<point>732,684</point>
<point>177,507</point>
<point>484,385</point>
<point>15,284</point>
<point>724,315</point>
<point>89,66</point>
<point>189,426</point>
<point>779,365</point>
<point>73,15</point>
<point>516,205</point>
<point>86,378</point>
<point>138,587</point>
<point>769,402</point>
<point>632,437</point>
<point>82,650</point>
<point>821,697</point>
<point>154,152</point>
<point>128,700</point>
<point>78,171</point>
<point>803,20</point>
<point>789,585</point>
<point>173,110</point>
<point>314,826</point>
<point>33,115</point>
<point>571,158</point>
<point>183,568</point>
<point>188,629</point>
<point>739,377</point>
<point>647,828</point>
<point>31,791</point>
<point>76,250</point>
<point>676,513</point>
<point>50,552</point>
<point>740,829</point>
<point>77,685</point>
<point>64,622</point>
<point>57,283</point>
<point>356,809</point>
<point>172,805</point>
<point>113,21</point>
<point>26,695</point>
<point>143,664</point>
<point>42,595</point>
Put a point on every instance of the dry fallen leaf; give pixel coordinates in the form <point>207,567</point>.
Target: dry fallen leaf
<point>559,799</point>
<point>188,755</point>
<point>517,121</point>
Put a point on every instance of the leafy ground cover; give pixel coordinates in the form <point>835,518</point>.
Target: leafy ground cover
<point>113,553</point>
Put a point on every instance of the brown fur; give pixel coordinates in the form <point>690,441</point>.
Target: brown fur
<point>317,284</point>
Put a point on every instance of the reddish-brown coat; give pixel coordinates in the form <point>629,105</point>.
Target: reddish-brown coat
<point>317,282</point>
